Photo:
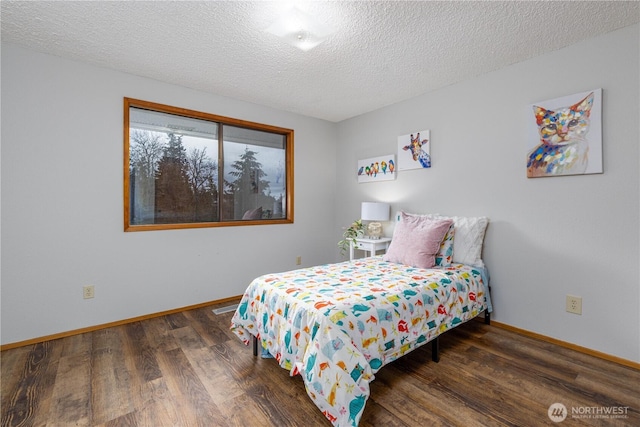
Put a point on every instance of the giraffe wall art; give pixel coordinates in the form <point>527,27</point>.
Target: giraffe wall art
<point>413,150</point>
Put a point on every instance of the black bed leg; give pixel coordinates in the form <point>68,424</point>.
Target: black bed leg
<point>255,346</point>
<point>435,355</point>
<point>487,315</point>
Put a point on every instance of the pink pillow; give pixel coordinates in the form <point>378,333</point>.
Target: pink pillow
<point>416,240</point>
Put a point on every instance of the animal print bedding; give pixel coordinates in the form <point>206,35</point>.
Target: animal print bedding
<point>336,325</point>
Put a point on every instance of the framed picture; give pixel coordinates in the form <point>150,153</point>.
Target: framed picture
<point>413,150</point>
<point>381,168</point>
<point>565,136</point>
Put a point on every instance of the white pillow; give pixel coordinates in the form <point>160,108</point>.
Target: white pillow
<point>468,240</point>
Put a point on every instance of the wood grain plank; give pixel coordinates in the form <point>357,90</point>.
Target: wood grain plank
<point>126,420</point>
<point>242,411</point>
<point>12,363</point>
<point>187,337</point>
<point>375,415</point>
<point>30,398</point>
<point>76,344</point>
<point>111,392</point>
<point>194,404</point>
<point>46,402</point>
<point>72,392</point>
<point>220,386</point>
<point>176,320</point>
<point>161,409</point>
<point>204,323</point>
<point>140,353</point>
<point>158,334</point>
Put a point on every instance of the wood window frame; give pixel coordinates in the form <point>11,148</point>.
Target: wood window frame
<point>288,134</point>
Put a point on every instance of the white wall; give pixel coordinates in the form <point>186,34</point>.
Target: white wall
<point>62,204</point>
<point>548,237</point>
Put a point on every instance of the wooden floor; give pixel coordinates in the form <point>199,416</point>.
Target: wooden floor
<point>187,369</point>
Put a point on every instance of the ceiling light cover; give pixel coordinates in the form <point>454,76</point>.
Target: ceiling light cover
<point>300,29</point>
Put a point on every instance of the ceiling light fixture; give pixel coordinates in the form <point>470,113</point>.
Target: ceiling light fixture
<point>300,29</point>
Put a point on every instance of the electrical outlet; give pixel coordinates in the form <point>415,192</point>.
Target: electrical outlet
<point>574,304</point>
<point>298,260</point>
<point>88,292</point>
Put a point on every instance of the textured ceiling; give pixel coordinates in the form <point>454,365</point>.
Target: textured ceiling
<point>381,53</point>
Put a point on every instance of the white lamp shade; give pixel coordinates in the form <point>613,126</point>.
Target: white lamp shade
<point>375,211</point>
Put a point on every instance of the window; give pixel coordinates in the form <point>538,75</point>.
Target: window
<point>187,169</point>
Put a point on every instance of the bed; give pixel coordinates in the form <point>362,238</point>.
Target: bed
<point>336,325</point>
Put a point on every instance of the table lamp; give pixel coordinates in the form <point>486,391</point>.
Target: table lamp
<point>374,212</point>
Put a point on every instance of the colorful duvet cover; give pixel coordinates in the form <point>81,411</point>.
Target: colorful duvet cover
<point>336,325</point>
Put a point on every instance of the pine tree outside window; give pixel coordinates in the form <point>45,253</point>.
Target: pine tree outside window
<point>188,169</point>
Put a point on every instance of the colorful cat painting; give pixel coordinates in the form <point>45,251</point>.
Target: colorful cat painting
<point>563,147</point>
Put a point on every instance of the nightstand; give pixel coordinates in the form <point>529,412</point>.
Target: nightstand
<point>369,245</point>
